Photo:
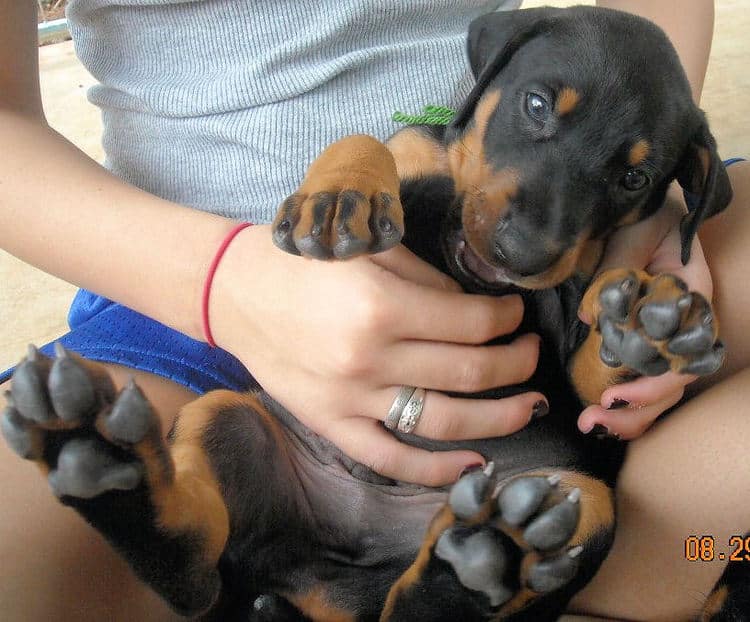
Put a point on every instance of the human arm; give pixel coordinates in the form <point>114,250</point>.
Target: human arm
<point>654,245</point>
<point>689,25</point>
<point>64,213</point>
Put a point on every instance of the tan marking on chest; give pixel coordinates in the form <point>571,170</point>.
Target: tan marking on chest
<point>417,155</point>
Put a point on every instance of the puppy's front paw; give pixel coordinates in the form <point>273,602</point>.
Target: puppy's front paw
<point>654,324</point>
<point>347,205</point>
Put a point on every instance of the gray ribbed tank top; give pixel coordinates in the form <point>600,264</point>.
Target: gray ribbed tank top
<point>222,104</point>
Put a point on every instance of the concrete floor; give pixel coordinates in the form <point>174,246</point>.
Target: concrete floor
<point>33,305</point>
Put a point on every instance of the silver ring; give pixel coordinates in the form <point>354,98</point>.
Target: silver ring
<point>412,412</point>
<point>397,408</point>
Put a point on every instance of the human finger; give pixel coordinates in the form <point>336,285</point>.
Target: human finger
<point>645,390</point>
<point>624,423</point>
<point>369,443</point>
<point>462,368</point>
<point>406,265</point>
<point>432,315</point>
<point>447,418</point>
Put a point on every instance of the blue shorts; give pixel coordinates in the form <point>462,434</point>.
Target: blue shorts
<point>102,330</point>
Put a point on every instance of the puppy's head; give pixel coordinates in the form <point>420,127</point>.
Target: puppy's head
<point>579,120</point>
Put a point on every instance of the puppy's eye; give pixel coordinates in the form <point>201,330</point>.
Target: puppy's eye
<point>537,107</point>
<point>634,179</point>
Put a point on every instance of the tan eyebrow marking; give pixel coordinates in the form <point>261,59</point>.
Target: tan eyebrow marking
<point>639,152</point>
<point>567,100</point>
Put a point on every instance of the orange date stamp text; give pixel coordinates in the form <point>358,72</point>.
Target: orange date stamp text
<point>707,548</point>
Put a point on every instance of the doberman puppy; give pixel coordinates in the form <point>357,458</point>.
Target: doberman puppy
<point>579,121</point>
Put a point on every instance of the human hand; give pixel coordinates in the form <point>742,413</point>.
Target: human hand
<point>334,341</point>
<point>628,410</point>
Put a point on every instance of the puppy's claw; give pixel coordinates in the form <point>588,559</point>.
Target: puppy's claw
<point>552,573</point>
<point>468,494</point>
<point>553,528</point>
<point>71,391</point>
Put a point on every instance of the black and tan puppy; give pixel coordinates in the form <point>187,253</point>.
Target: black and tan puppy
<point>579,121</point>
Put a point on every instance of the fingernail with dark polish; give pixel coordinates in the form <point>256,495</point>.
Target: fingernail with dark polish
<point>601,433</point>
<point>617,403</point>
<point>470,468</point>
<point>540,409</point>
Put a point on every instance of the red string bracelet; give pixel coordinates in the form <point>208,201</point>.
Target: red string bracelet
<point>210,279</point>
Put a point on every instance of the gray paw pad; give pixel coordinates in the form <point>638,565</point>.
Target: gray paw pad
<point>707,363</point>
<point>468,494</point>
<point>131,417</point>
<point>86,467</point>
<point>555,527</point>
<point>637,353</point>
<point>522,498</point>
<point>554,572</point>
<point>23,437</point>
<point>71,391</point>
<point>617,298</point>
<point>478,559</point>
<point>30,390</point>
<point>662,319</point>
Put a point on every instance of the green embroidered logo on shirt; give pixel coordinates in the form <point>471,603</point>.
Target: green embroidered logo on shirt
<point>431,115</point>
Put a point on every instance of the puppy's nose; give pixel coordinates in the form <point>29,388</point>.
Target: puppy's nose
<point>522,250</point>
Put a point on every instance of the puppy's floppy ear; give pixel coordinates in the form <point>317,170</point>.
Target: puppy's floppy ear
<point>492,41</point>
<point>702,175</point>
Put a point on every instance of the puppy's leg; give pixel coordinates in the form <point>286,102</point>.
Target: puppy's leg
<point>643,325</point>
<point>103,454</point>
<point>347,205</point>
<point>520,547</point>
<point>730,599</point>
